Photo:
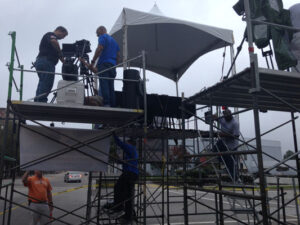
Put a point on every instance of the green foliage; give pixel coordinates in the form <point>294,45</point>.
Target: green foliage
<point>11,149</point>
<point>288,154</point>
<point>113,154</point>
<point>195,173</point>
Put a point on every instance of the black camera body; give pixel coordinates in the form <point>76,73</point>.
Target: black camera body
<point>70,53</point>
<point>77,49</point>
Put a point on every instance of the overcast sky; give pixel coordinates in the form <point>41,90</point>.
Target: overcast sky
<point>32,18</point>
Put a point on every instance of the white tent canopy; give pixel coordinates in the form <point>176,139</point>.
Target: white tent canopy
<point>155,10</point>
<point>171,45</point>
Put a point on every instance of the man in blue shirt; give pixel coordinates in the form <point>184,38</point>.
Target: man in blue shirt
<point>108,52</point>
<point>124,188</point>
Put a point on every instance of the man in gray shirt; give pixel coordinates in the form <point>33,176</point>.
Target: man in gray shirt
<point>229,133</point>
<point>229,130</point>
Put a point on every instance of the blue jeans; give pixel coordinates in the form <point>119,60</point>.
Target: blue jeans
<point>106,87</point>
<point>46,80</point>
<point>124,194</point>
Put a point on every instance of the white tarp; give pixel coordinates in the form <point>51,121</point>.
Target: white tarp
<point>37,142</point>
<point>171,45</point>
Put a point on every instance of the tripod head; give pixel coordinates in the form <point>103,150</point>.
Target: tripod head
<point>71,53</point>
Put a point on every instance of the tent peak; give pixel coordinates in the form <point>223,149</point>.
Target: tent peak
<point>155,10</point>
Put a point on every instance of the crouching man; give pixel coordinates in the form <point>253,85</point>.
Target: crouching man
<point>124,188</point>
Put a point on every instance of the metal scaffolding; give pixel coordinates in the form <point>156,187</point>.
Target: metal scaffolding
<point>258,90</point>
<point>192,186</point>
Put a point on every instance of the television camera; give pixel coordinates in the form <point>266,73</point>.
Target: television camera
<point>71,53</point>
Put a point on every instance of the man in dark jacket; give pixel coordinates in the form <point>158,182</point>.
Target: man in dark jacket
<point>49,54</point>
<point>124,188</point>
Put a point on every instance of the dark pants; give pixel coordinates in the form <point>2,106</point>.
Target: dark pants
<point>124,192</point>
<point>106,86</point>
<point>229,160</point>
<point>46,80</point>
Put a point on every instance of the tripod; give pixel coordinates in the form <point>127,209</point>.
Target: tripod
<point>89,80</point>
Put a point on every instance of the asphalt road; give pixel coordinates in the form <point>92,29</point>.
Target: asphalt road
<point>70,196</point>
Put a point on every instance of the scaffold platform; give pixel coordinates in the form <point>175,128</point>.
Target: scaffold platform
<point>235,91</point>
<point>75,114</point>
<point>159,133</point>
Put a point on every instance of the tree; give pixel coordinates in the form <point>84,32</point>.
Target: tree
<point>12,150</point>
<point>288,153</point>
<point>177,153</point>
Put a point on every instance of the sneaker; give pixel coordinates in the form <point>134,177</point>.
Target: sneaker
<point>115,214</point>
<point>98,126</point>
<point>114,209</point>
<point>107,207</point>
<point>125,221</point>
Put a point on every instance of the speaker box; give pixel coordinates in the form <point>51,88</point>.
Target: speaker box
<point>131,89</point>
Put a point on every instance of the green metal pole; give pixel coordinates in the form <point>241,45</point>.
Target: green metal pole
<point>21,83</point>
<point>5,135</point>
<point>11,65</point>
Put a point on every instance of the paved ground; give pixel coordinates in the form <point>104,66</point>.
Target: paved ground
<point>70,196</point>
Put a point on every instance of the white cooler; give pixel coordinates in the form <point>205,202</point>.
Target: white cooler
<point>73,94</point>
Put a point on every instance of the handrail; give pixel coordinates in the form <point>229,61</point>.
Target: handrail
<point>76,75</point>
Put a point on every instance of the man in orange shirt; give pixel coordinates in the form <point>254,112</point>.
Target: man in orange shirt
<point>39,197</point>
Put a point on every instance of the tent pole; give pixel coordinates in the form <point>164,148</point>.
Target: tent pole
<point>176,82</point>
<point>144,141</point>
<point>177,95</point>
<point>125,41</point>
<point>233,71</point>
